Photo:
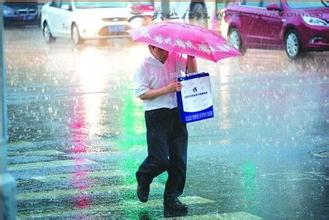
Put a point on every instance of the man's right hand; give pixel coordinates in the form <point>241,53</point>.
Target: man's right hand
<point>174,86</point>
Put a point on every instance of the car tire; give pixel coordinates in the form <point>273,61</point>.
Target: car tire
<point>292,44</point>
<point>75,35</point>
<point>47,35</point>
<point>136,21</point>
<point>235,39</point>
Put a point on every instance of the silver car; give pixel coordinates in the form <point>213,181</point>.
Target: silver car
<point>84,20</point>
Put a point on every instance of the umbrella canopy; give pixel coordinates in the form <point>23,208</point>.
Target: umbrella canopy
<point>185,38</point>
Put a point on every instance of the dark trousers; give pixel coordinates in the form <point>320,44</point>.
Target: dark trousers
<point>167,151</point>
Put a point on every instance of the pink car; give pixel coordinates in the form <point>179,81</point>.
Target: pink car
<point>296,26</point>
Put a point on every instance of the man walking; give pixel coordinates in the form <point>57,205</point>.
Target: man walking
<point>156,84</point>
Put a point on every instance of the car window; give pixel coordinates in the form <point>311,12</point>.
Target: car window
<point>265,3</point>
<point>66,3</point>
<point>142,2</point>
<point>55,3</point>
<point>306,4</point>
<point>252,3</point>
<point>101,4</point>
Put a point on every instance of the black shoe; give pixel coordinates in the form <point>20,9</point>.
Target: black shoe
<point>143,192</point>
<point>175,206</point>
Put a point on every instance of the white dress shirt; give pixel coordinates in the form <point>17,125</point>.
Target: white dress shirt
<point>153,74</point>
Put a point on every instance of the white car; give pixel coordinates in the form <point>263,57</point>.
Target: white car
<point>81,20</point>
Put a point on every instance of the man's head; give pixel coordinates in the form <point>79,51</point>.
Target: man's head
<point>158,53</point>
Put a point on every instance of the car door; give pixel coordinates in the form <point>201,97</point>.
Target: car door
<point>50,13</point>
<point>249,17</point>
<point>65,18</point>
<point>271,23</point>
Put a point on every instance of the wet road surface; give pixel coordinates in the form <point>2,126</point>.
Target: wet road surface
<point>77,136</point>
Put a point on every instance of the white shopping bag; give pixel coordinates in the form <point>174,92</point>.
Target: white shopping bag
<point>195,100</point>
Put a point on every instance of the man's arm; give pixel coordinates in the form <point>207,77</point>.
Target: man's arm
<point>153,93</point>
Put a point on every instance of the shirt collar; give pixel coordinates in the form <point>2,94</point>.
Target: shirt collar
<point>151,59</point>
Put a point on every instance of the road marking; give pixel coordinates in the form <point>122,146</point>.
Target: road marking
<point>221,216</point>
<point>95,210</point>
<point>25,145</point>
<point>91,175</point>
<point>20,145</point>
<point>49,164</point>
<point>58,194</point>
<point>35,153</point>
<point>189,200</point>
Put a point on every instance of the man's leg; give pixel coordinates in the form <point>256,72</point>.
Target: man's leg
<point>177,163</point>
<point>158,151</point>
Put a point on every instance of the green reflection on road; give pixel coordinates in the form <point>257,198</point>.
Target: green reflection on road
<point>249,170</point>
<point>132,137</point>
<point>131,140</point>
<point>132,121</point>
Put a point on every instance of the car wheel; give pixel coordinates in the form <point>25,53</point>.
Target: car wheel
<point>47,34</point>
<point>75,34</point>
<point>235,39</point>
<point>136,21</point>
<point>292,44</point>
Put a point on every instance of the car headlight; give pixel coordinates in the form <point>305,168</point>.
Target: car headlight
<point>314,21</point>
<point>7,11</point>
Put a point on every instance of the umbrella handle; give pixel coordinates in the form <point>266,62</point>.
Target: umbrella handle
<point>181,57</point>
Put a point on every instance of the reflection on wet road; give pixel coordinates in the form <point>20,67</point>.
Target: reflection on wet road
<point>77,134</point>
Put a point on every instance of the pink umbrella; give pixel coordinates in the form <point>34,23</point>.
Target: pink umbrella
<point>186,39</point>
